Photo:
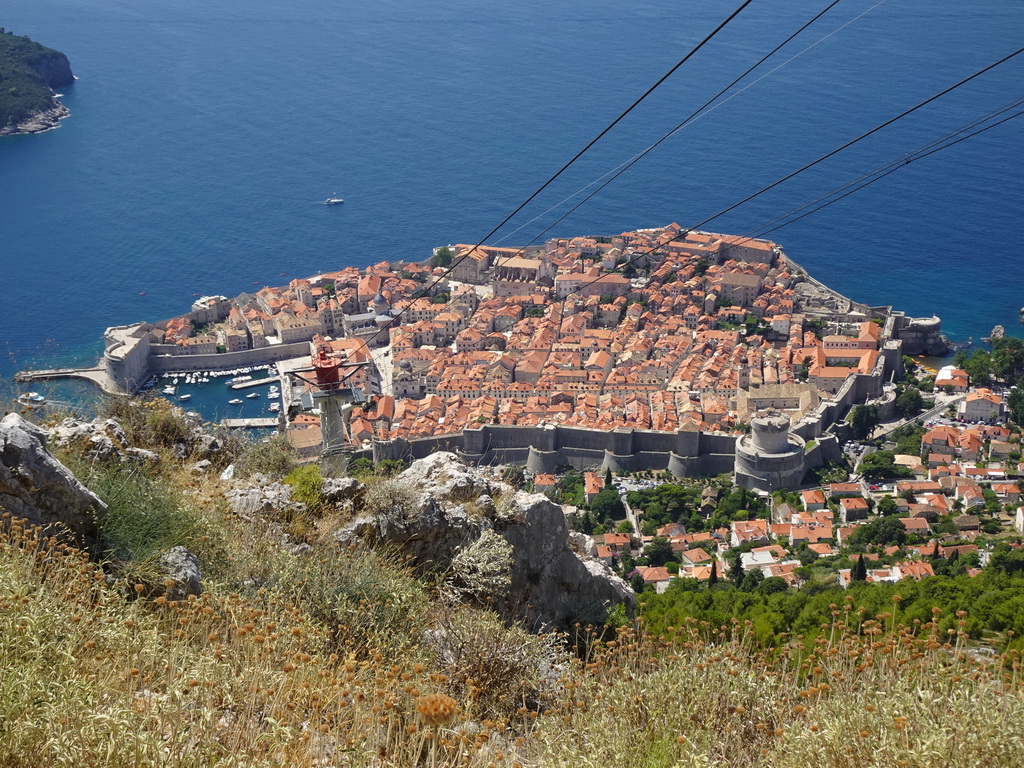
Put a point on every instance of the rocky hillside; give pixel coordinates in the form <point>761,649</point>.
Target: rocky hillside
<point>28,74</point>
<point>172,597</point>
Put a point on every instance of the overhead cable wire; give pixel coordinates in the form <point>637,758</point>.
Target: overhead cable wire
<point>592,142</point>
<point>696,114</point>
<point>897,162</point>
<point>819,160</point>
<point>705,110</point>
<point>860,138</point>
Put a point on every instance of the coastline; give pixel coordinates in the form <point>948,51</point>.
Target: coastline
<point>41,122</point>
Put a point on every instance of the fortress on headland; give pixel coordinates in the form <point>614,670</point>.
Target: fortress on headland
<point>654,349</point>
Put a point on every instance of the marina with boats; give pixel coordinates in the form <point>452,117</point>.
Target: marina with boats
<point>254,408</point>
<point>214,395</point>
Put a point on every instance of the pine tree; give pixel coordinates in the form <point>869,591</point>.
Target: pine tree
<point>714,574</point>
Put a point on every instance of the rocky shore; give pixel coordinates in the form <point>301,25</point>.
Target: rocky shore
<point>38,123</point>
<point>30,73</point>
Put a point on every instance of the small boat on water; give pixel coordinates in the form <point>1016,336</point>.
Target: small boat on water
<point>234,401</point>
<point>32,400</point>
<point>185,397</point>
<point>275,407</point>
<point>333,201</point>
<point>253,395</point>
<point>168,390</point>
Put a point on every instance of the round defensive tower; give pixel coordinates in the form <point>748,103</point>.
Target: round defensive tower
<point>770,458</point>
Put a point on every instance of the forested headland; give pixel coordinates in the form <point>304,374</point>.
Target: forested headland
<point>28,74</point>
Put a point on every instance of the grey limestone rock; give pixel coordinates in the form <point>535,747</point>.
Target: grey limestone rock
<point>141,454</point>
<point>102,440</point>
<point>205,445</point>
<point>267,497</point>
<point>447,478</point>
<point>425,530</point>
<point>37,487</point>
<point>339,489</point>
<point>182,567</point>
<point>582,544</point>
<point>550,583</point>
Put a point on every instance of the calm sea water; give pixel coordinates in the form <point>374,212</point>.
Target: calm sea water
<point>204,132</point>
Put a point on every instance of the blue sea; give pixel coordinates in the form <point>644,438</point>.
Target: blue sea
<point>204,134</point>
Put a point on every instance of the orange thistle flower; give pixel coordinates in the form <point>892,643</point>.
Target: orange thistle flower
<point>437,709</point>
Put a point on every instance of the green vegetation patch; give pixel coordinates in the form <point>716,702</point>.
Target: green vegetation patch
<point>24,90</point>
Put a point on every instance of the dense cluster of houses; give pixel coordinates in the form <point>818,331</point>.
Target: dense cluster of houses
<point>557,339</point>
<point>965,486</point>
<point>552,334</point>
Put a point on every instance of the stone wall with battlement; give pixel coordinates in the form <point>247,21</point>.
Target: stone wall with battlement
<point>543,449</point>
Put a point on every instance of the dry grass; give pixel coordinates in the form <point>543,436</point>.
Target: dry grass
<point>95,676</point>
<point>871,693</point>
<point>342,658</point>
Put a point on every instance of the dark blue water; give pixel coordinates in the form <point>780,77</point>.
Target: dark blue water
<point>203,133</point>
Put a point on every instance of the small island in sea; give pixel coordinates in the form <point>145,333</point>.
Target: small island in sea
<point>28,74</point>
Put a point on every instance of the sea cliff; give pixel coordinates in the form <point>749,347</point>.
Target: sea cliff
<point>28,74</point>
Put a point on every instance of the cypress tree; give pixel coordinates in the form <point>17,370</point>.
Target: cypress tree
<point>736,570</point>
<point>860,570</point>
<point>714,574</point>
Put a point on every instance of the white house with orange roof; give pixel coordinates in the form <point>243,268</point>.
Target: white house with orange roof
<point>592,485</point>
<point>982,405</point>
<point>744,531</point>
<point>954,378</point>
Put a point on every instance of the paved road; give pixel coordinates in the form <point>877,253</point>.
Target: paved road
<point>885,429</point>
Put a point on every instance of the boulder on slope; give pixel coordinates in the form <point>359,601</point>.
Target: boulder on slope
<point>37,487</point>
<point>449,506</point>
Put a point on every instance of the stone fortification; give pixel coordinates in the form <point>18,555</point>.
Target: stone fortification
<point>770,458</point>
<point>130,357</point>
<point>542,449</point>
<point>920,335</point>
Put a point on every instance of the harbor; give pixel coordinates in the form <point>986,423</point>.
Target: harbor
<point>208,394</point>
<point>96,374</point>
<point>212,395</point>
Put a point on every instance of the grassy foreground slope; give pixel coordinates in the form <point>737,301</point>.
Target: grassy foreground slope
<point>342,658</point>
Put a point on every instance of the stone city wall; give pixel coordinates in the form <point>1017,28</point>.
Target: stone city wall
<point>226,360</point>
<point>543,449</point>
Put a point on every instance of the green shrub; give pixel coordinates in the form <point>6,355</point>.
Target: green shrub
<point>145,516</point>
<point>307,486</point>
<point>273,456</point>
<point>366,598</point>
